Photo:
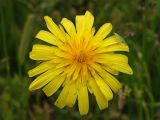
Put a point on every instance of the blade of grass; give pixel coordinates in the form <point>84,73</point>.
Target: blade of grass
<point>25,39</point>
<point>3,34</point>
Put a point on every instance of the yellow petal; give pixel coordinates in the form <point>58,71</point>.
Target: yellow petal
<point>48,37</point>
<point>40,56</point>
<point>69,27</point>
<point>70,70</point>
<point>89,42</point>
<point>80,24</point>
<point>57,60</point>
<point>113,83</point>
<point>117,62</point>
<point>89,88</point>
<point>93,31</point>
<point>41,68</point>
<point>118,47</point>
<point>112,71</point>
<point>110,41</point>
<point>54,85</point>
<point>84,25</point>
<point>111,58</point>
<point>63,64</point>
<point>104,87</point>
<point>101,100</point>
<point>83,102</point>
<point>112,48</point>
<point>39,47</point>
<point>84,74</point>
<point>61,101</point>
<point>103,31</point>
<point>62,54</point>
<point>89,20</point>
<point>80,27</point>
<point>54,28</point>
<point>122,67</point>
<point>79,82</point>
<point>44,79</point>
<point>76,72</point>
<point>42,52</point>
<point>61,28</point>
<point>72,95</point>
<point>67,48</point>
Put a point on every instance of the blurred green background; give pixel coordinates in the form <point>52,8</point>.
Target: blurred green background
<point>138,21</point>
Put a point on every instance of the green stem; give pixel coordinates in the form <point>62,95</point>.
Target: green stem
<point>3,32</point>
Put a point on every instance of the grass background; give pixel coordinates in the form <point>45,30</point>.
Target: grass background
<point>138,21</point>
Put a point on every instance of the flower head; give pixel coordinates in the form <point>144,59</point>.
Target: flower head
<point>80,60</point>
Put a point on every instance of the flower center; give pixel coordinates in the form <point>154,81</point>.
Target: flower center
<point>81,57</point>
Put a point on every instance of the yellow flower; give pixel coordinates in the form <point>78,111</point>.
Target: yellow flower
<point>79,60</point>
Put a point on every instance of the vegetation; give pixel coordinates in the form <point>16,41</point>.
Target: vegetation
<point>136,20</point>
